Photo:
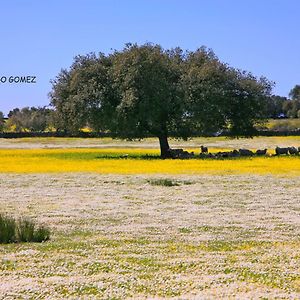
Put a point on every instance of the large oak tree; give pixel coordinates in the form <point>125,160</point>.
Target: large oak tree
<point>146,90</point>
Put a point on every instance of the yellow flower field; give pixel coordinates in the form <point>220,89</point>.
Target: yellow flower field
<point>135,161</point>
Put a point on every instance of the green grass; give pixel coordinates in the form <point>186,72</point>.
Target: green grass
<point>131,266</point>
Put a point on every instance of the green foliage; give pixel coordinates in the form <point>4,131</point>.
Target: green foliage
<point>233,99</point>
<point>275,106</point>
<point>147,82</point>
<point>22,230</point>
<point>25,230</point>
<point>83,95</point>
<point>7,229</point>
<point>29,119</point>
<point>2,121</point>
<point>41,234</point>
<point>167,182</point>
<point>145,89</point>
<point>291,108</point>
<point>184,230</point>
<point>295,92</point>
<point>288,107</point>
<point>283,125</point>
<point>248,106</point>
<point>163,182</point>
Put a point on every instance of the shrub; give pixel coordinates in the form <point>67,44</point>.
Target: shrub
<point>168,182</point>
<point>41,234</point>
<point>7,229</point>
<point>163,182</point>
<point>22,230</point>
<point>25,230</point>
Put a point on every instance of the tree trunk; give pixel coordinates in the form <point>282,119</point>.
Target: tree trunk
<point>164,147</point>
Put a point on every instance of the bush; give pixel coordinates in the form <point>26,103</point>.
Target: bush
<point>163,182</point>
<point>168,182</point>
<point>7,230</point>
<point>25,230</point>
<point>41,234</point>
<point>22,230</point>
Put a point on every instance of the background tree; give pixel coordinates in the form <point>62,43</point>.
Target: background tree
<point>2,121</point>
<point>295,93</point>
<point>275,105</point>
<point>29,119</point>
<point>39,119</point>
<point>292,107</point>
<point>14,122</point>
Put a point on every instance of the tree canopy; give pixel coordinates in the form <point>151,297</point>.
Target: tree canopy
<point>2,123</point>
<point>147,90</point>
<point>295,92</point>
<point>292,107</point>
<point>33,119</point>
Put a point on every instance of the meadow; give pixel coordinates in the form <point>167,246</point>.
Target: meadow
<point>127,225</point>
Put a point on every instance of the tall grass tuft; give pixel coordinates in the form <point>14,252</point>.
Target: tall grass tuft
<point>41,234</point>
<point>7,229</point>
<point>163,182</point>
<point>21,230</point>
<point>25,230</point>
<point>168,182</point>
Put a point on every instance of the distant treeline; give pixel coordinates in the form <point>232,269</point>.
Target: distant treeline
<point>41,121</point>
<point>81,134</point>
<point>33,119</point>
<point>282,107</point>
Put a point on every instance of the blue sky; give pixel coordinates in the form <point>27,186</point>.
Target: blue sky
<point>38,38</point>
